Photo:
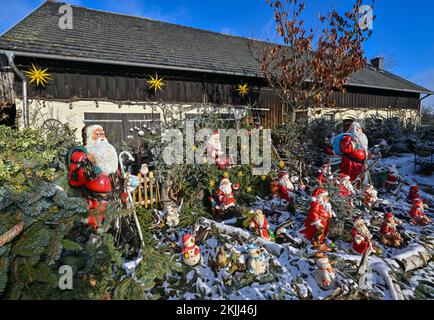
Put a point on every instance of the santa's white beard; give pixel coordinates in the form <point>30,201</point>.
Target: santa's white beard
<point>226,189</point>
<point>364,231</point>
<point>105,155</point>
<point>349,186</point>
<point>286,183</point>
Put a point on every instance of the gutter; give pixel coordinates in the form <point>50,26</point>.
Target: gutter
<point>11,55</point>
<point>420,106</point>
<point>129,64</point>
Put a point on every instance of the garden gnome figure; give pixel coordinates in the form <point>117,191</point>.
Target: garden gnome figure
<point>417,213</point>
<point>317,223</point>
<point>94,168</point>
<point>256,263</point>
<point>190,251</point>
<point>325,274</point>
<point>260,225</point>
<point>389,235</point>
<point>225,196</point>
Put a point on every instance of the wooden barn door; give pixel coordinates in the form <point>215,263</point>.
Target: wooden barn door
<point>112,123</point>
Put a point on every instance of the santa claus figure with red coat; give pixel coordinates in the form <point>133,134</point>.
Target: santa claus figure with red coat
<point>325,174</point>
<point>94,168</point>
<point>346,188</point>
<point>389,234</point>
<point>260,225</point>
<point>316,225</point>
<point>215,151</point>
<point>353,147</point>
<point>393,179</point>
<point>417,213</point>
<point>362,238</point>
<point>414,194</point>
<point>286,188</point>
<point>225,196</point>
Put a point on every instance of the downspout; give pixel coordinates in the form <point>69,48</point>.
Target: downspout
<point>420,107</point>
<point>11,55</point>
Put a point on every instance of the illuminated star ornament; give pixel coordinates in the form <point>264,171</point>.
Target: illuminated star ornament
<point>243,89</point>
<point>156,83</point>
<point>38,76</point>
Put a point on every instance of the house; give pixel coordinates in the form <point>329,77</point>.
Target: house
<point>100,70</point>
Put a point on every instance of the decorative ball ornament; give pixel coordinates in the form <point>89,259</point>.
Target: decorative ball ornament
<point>38,76</point>
<point>153,132</point>
<point>144,126</point>
<point>141,133</point>
<point>131,129</point>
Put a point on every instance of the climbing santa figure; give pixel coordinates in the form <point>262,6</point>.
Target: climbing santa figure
<point>417,213</point>
<point>94,167</point>
<point>225,196</point>
<point>352,146</point>
<point>317,223</point>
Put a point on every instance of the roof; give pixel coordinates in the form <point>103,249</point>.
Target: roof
<point>106,37</point>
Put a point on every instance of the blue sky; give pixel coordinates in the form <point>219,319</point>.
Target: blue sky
<point>403,30</point>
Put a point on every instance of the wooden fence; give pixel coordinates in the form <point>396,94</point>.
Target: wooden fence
<point>147,194</point>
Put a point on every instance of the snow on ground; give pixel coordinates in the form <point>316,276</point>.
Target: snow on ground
<point>291,270</point>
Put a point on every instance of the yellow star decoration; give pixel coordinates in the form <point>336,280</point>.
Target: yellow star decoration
<point>38,76</point>
<point>156,83</point>
<point>243,89</point>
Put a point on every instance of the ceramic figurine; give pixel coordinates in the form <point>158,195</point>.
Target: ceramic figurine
<point>225,196</point>
<point>190,251</point>
<point>171,217</point>
<point>260,225</point>
<point>324,174</point>
<point>316,225</point>
<point>389,235</point>
<point>393,179</point>
<point>325,274</point>
<point>362,238</point>
<point>256,263</point>
<point>286,188</point>
<point>417,213</point>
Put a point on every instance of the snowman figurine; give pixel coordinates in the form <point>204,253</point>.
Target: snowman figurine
<point>190,251</point>
<point>256,262</point>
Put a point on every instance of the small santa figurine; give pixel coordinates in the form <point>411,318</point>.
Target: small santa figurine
<point>393,178</point>
<point>346,189</point>
<point>417,213</point>
<point>362,238</point>
<point>325,174</point>
<point>94,168</point>
<point>414,194</point>
<point>256,263</point>
<point>215,150</point>
<point>225,195</point>
<point>316,225</point>
<point>325,274</point>
<point>389,235</point>
<point>371,197</point>
<point>260,225</point>
<point>190,251</point>
<point>286,188</point>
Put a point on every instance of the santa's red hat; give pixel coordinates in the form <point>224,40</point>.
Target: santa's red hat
<point>389,215</point>
<point>186,237</point>
<point>414,187</point>
<point>318,193</point>
<point>343,176</point>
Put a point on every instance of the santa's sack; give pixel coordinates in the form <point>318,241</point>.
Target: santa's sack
<point>336,142</point>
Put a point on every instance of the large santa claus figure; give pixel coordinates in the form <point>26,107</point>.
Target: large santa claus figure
<point>353,148</point>
<point>225,196</point>
<point>94,168</point>
<point>316,226</point>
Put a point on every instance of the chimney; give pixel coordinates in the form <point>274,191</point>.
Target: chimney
<point>378,63</point>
